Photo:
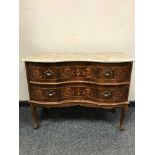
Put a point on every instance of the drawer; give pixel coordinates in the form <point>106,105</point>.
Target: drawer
<point>42,72</point>
<point>79,71</point>
<point>112,94</point>
<point>44,93</point>
<point>114,72</point>
<point>101,94</point>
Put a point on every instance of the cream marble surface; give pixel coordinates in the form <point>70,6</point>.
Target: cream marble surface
<point>93,57</point>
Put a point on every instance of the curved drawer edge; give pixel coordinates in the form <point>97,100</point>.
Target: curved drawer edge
<point>85,103</point>
<point>87,82</point>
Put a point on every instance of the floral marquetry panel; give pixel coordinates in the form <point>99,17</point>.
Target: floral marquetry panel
<point>75,92</point>
<point>78,72</point>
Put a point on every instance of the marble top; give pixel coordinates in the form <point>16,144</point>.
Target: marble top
<point>92,57</point>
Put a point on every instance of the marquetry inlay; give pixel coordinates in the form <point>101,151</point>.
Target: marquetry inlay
<point>68,72</point>
<point>77,91</point>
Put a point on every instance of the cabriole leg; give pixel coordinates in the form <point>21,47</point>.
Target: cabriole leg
<point>35,116</point>
<point>123,112</point>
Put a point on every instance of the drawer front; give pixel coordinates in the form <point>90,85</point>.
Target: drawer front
<point>114,72</point>
<point>79,71</point>
<point>44,93</point>
<point>42,72</point>
<point>104,94</point>
<point>112,94</point>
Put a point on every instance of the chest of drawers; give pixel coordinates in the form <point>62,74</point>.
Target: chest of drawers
<point>93,80</point>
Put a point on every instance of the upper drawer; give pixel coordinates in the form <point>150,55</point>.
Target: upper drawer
<point>42,72</point>
<point>79,71</point>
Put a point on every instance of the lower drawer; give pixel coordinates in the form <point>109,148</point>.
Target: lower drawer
<point>92,92</point>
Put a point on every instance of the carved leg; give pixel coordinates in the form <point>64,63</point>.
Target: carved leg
<point>124,110</point>
<point>35,116</point>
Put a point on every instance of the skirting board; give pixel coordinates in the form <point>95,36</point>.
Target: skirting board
<point>26,104</point>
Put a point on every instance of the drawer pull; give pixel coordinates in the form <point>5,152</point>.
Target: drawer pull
<point>107,73</point>
<point>48,73</point>
<point>106,93</point>
<point>50,93</point>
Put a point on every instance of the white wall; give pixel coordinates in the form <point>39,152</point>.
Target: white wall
<point>75,25</point>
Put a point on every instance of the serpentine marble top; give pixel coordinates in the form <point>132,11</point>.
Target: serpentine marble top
<point>92,57</point>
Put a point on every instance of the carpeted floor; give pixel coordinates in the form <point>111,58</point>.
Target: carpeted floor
<point>76,131</point>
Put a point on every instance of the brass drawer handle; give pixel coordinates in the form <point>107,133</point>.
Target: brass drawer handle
<point>107,73</point>
<point>50,93</point>
<point>106,93</point>
<point>48,73</point>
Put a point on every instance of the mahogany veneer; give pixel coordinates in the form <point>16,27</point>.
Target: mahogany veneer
<point>91,84</point>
